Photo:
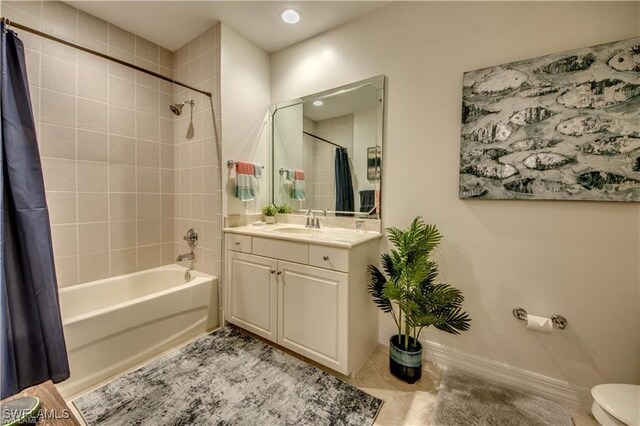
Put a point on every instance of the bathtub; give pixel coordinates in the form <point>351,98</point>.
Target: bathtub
<point>114,324</point>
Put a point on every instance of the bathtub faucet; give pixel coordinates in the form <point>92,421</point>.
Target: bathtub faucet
<point>186,256</point>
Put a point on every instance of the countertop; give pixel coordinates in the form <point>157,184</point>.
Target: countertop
<point>334,237</point>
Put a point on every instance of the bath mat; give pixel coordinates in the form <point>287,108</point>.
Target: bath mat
<point>468,401</point>
<point>225,378</point>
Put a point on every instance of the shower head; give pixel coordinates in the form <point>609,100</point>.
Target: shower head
<point>177,108</point>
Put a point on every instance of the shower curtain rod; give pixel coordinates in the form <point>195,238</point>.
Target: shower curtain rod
<point>322,139</point>
<point>10,24</point>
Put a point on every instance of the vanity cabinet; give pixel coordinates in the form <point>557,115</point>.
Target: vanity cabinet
<point>309,298</point>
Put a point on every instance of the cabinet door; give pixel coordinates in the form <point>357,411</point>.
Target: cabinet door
<point>252,294</point>
<point>313,316</point>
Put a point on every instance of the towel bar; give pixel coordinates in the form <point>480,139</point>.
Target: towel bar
<point>231,163</point>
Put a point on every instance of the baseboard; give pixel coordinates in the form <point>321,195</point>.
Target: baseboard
<point>577,397</point>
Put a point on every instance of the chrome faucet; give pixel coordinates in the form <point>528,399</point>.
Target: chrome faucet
<point>186,256</point>
<point>310,219</point>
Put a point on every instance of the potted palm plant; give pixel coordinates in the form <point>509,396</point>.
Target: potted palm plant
<point>410,294</point>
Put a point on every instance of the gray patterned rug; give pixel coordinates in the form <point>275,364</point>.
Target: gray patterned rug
<point>468,401</point>
<point>228,378</point>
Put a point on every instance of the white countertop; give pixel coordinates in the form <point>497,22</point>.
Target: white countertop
<point>335,237</point>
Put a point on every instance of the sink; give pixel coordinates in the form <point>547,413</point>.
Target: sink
<point>299,231</point>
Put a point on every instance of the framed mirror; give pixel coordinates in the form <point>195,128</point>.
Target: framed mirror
<point>326,150</point>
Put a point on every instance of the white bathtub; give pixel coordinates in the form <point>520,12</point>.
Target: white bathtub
<point>113,324</point>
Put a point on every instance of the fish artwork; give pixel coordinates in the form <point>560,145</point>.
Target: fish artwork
<point>533,144</point>
<point>490,133</point>
<point>626,60</point>
<point>475,191</point>
<point>599,94</point>
<point>491,170</point>
<point>499,82</point>
<point>545,161</point>
<point>614,145</point>
<point>536,186</point>
<point>537,91</point>
<point>564,126</point>
<point>530,116</point>
<point>569,64</point>
<point>607,181</point>
<point>493,153</point>
<point>472,112</point>
<point>582,125</point>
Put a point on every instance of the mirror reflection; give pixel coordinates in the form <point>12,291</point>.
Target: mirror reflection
<point>327,150</point>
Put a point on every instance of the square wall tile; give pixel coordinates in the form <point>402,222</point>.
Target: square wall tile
<point>64,240</point>
<point>66,271</point>
<point>122,121</point>
<point>60,20</point>
<point>58,75</point>
<point>148,153</point>
<point>62,207</point>
<point>122,39</point>
<point>92,84</point>
<point>122,150</point>
<point>92,146</point>
<point>149,232</point>
<point>57,108</point>
<point>92,177</point>
<point>93,238</point>
<point>124,261</point>
<point>148,180</point>
<point>122,178</point>
<point>59,175</point>
<point>122,207</point>
<point>149,257</point>
<point>93,267</point>
<point>93,207</point>
<point>122,93</point>
<point>92,115</point>
<point>123,235</point>
<point>57,141</point>
<point>148,206</point>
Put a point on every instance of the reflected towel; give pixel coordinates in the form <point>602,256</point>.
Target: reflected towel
<point>245,187</point>
<point>299,174</point>
<point>257,170</point>
<point>245,168</point>
<point>297,190</point>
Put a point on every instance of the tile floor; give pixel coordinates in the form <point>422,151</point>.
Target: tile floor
<point>404,404</point>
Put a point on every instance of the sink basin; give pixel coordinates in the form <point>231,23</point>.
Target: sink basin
<point>299,231</point>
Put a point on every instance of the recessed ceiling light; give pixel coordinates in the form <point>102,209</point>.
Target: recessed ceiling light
<point>318,103</point>
<point>290,16</point>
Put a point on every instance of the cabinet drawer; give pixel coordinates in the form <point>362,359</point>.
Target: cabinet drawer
<point>329,258</point>
<point>241,243</point>
<point>285,250</point>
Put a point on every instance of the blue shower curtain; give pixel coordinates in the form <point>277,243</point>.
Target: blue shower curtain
<point>31,337</point>
<point>344,185</point>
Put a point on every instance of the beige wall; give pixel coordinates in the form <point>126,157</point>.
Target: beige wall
<point>245,100</point>
<point>197,200</point>
<point>106,141</point>
<point>579,259</point>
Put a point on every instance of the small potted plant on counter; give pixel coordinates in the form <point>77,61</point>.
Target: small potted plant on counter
<point>284,208</point>
<point>409,293</point>
<point>269,212</point>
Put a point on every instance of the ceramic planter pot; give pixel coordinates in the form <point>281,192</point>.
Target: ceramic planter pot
<point>270,220</point>
<point>405,364</point>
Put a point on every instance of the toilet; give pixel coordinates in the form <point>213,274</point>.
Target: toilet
<point>616,404</point>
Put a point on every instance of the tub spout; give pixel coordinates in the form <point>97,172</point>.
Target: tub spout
<point>187,256</point>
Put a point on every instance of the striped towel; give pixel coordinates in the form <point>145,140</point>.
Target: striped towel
<point>298,185</point>
<point>245,187</point>
<point>245,168</point>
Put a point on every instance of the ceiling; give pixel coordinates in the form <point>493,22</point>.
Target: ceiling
<point>171,24</point>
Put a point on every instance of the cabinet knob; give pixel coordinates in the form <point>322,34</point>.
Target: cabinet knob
<point>325,258</point>
<point>279,273</point>
<point>272,271</point>
<point>237,243</point>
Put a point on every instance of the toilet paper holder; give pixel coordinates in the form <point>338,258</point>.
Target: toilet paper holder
<point>558,321</point>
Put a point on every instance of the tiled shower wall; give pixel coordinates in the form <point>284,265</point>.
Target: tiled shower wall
<point>106,142</point>
<point>320,162</point>
<point>198,193</point>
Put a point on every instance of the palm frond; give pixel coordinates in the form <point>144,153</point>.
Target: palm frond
<point>376,289</point>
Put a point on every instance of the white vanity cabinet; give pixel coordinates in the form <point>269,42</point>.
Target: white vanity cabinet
<point>309,298</point>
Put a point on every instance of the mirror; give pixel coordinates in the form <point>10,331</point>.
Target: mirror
<point>326,150</point>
